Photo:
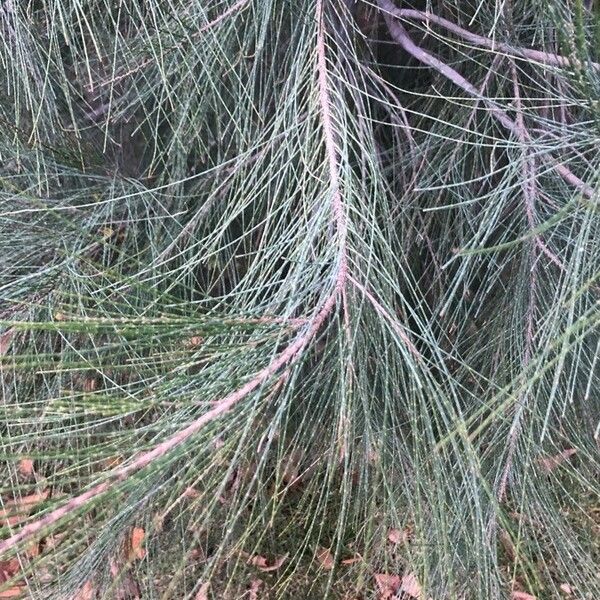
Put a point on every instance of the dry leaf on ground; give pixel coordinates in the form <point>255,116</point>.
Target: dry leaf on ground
<point>410,586</point>
<point>202,593</point>
<point>5,340</point>
<point>25,467</point>
<point>260,562</point>
<point>33,550</point>
<point>17,510</point>
<point>565,588</point>
<point>136,549</point>
<point>388,585</point>
<point>191,493</point>
<point>111,462</point>
<point>397,536</point>
<point>507,544</point>
<point>197,554</point>
<point>522,596</point>
<point>195,341</point>
<point>325,558</point>
<point>8,569</point>
<point>52,540</point>
<point>12,592</point>
<point>128,587</point>
<point>291,468</point>
<point>373,457</point>
<point>89,385</point>
<point>255,585</point>
<point>550,463</point>
<point>87,592</point>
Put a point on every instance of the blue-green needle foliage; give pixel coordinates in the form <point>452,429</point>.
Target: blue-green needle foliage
<point>282,275</point>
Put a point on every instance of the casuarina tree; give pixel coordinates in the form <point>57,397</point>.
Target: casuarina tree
<point>299,299</point>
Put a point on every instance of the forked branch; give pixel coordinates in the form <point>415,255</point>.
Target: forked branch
<point>306,332</point>
<point>400,35</point>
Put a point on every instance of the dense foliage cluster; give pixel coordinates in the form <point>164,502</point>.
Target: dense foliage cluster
<point>279,276</point>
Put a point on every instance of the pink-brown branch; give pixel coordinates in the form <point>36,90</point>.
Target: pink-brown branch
<point>285,358</point>
<point>485,42</point>
<point>290,354</point>
<point>400,35</point>
<point>331,148</point>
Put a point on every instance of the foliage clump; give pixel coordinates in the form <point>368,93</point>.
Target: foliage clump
<point>302,296</point>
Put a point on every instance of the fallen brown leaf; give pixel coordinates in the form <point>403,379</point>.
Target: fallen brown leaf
<point>25,467</point>
<point>257,561</point>
<point>397,536</point>
<point>158,522</point>
<point>291,468</point>
<point>17,510</point>
<point>195,341</point>
<point>127,586</point>
<point>260,562</point>
<point>522,596</point>
<point>112,462</point>
<point>89,384</point>
<point>410,586</point>
<point>197,554</point>
<point>507,544</point>
<point>87,592</point>
<point>566,589</point>
<point>202,593</point>
<point>5,341</point>
<point>255,585</point>
<point>53,540</point>
<point>351,561</point>
<point>373,456</point>
<point>33,550</point>
<point>8,569</point>
<point>191,493</point>
<point>388,585</point>
<point>136,550</point>
<point>325,558</point>
<point>550,463</point>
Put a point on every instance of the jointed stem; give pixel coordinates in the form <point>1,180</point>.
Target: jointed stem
<point>289,356</point>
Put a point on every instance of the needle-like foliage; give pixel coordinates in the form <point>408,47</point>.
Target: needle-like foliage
<point>283,276</point>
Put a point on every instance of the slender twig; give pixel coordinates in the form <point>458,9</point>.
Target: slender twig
<point>289,356</point>
<point>394,324</point>
<point>333,160</point>
<point>400,35</point>
<point>485,42</point>
<point>330,145</point>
